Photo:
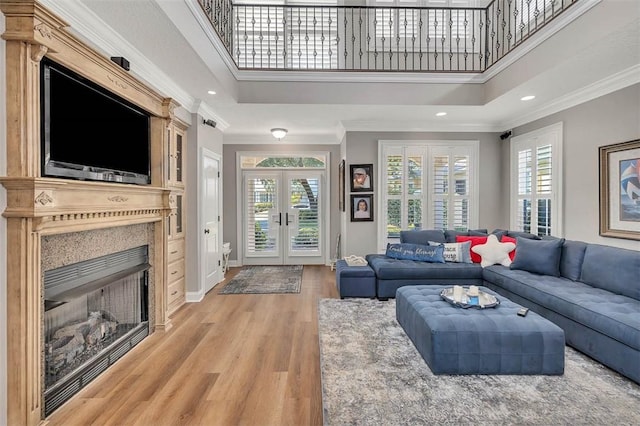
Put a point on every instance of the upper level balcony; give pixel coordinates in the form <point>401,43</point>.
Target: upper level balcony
<point>442,36</point>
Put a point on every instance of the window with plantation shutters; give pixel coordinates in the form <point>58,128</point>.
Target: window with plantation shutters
<point>430,184</point>
<point>536,163</point>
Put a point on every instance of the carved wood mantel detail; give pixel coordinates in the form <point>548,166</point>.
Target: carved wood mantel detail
<point>38,206</point>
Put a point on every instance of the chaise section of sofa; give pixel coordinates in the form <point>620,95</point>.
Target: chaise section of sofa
<point>392,274</point>
<point>595,299</point>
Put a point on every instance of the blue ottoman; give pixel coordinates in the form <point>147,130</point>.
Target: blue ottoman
<point>355,281</point>
<point>496,340</point>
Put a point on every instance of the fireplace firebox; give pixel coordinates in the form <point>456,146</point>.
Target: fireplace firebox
<point>95,311</point>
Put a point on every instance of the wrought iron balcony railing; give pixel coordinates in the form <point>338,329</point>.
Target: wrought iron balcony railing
<point>361,38</point>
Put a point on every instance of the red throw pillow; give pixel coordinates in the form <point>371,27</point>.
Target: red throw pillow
<point>475,257</point>
<point>506,239</point>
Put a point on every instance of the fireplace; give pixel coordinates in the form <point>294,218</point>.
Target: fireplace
<point>95,311</point>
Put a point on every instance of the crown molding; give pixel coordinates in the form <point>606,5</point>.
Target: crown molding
<point>93,30</point>
<point>417,126</point>
<point>618,81</point>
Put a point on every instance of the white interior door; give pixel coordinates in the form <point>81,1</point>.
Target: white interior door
<point>283,217</point>
<point>212,257</point>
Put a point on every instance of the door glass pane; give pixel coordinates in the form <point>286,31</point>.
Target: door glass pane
<point>262,215</point>
<point>304,228</point>
<point>251,162</point>
<point>179,157</point>
<point>179,214</point>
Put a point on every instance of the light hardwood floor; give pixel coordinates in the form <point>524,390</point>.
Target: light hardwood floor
<point>228,360</point>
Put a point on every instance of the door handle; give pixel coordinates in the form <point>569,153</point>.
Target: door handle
<point>287,218</point>
<point>206,231</point>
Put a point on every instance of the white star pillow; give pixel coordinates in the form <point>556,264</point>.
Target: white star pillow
<point>494,252</point>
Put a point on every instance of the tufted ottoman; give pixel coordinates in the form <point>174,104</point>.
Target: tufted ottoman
<point>355,281</point>
<point>496,340</point>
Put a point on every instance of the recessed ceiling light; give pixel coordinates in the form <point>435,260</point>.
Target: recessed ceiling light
<point>211,92</point>
<point>527,98</point>
<point>441,114</point>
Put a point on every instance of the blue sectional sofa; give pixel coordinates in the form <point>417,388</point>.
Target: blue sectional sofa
<point>592,291</point>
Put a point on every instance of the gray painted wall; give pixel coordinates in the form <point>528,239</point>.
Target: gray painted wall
<point>360,238</point>
<point>603,121</point>
<point>198,136</point>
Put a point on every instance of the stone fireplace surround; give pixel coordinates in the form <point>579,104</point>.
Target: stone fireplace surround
<point>51,221</point>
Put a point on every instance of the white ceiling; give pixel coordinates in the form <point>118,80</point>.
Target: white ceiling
<point>171,46</point>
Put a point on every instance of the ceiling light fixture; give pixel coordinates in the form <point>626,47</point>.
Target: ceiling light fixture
<point>441,114</point>
<point>527,98</point>
<point>279,133</point>
<point>211,92</point>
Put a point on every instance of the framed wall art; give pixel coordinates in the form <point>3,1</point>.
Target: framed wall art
<point>620,190</point>
<point>362,208</point>
<point>361,177</point>
<point>341,186</point>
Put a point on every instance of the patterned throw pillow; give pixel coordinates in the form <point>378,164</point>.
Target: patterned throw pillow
<point>455,252</point>
<point>420,252</point>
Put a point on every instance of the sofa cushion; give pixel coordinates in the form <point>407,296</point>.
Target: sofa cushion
<point>612,268</point>
<point>422,237</point>
<point>572,258</point>
<point>387,268</point>
<point>475,257</point>
<point>421,252</point>
<point>613,315</point>
<point>456,252</point>
<point>538,256</point>
<point>450,235</point>
<point>527,235</point>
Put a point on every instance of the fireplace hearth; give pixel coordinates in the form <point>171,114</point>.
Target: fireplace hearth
<point>95,311</point>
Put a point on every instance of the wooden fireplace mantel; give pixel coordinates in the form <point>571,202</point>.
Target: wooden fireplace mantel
<point>39,206</point>
<point>58,205</point>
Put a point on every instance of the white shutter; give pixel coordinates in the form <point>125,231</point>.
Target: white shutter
<point>536,159</point>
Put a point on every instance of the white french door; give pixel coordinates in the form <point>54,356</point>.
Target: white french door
<point>282,220</point>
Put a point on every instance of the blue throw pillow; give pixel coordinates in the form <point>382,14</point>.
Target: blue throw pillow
<point>422,237</point>
<point>538,256</point>
<point>516,234</point>
<point>420,252</point>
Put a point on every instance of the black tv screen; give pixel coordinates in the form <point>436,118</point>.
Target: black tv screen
<point>91,133</point>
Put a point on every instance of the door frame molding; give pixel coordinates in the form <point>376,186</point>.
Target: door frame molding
<point>326,184</point>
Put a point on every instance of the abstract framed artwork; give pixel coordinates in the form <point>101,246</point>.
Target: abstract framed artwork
<point>362,208</point>
<point>620,190</point>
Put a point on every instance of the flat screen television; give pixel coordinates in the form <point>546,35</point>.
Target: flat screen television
<point>90,133</point>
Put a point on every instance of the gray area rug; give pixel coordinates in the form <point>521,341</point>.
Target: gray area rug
<point>373,375</point>
<point>265,279</point>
